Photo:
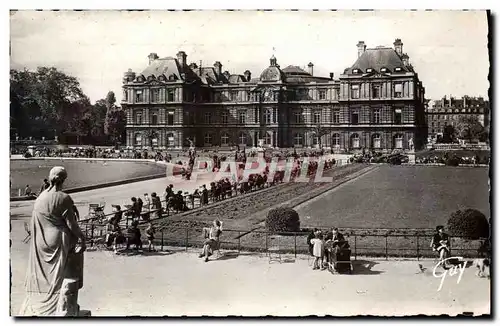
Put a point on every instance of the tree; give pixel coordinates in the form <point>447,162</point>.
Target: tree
<point>448,134</point>
<point>116,121</point>
<point>319,131</point>
<point>469,128</point>
<point>109,103</point>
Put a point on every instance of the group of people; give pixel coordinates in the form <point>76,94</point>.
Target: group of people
<point>324,246</point>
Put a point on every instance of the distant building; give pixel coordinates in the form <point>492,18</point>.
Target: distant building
<point>448,111</point>
<point>378,103</point>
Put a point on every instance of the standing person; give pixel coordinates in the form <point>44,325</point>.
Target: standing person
<point>318,250</point>
<point>54,235</point>
<point>150,233</point>
<point>204,195</point>
<point>28,191</point>
<point>311,236</point>
<point>45,185</point>
<point>441,244</point>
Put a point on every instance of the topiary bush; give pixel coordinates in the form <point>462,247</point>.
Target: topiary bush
<point>469,223</point>
<point>282,219</point>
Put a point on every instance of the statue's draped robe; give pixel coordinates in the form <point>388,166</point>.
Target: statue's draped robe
<point>51,241</point>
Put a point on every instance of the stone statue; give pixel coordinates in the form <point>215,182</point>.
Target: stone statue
<point>410,143</point>
<point>55,264</point>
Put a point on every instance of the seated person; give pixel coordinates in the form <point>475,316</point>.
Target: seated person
<point>441,244</point>
<point>114,234</point>
<point>134,236</point>
<point>156,205</point>
<point>212,239</point>
<point>118,213</point>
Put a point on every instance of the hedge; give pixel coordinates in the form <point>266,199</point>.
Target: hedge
<point>282,219</point>
<point>469,223</point>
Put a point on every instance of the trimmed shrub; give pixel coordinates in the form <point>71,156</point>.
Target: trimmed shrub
<point>469,223</point>
<point>283,219</point>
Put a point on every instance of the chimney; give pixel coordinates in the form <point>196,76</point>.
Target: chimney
<point>248,75</point>
<point>152,57</point>
<point>406,59</point>
<point>361,48</point>
<point>331,76</point>
<point>398,46</point>
<point>218,68</point>
<point>181,57</point>
<point>193,66</point>
<point>128,76</point>
<point>465,101</point>
<point>311,68</point>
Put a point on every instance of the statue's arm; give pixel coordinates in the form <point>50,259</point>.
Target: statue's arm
<point>70,217</point>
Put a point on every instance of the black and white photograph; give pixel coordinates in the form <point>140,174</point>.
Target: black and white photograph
<point>253,163</point>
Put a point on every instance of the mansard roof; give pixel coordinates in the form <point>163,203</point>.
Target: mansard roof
<point>377,59</point>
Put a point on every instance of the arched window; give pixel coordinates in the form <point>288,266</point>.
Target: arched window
<point>298,139</point>
<point>242,138</point>
<point>224,138</point>
<point>170,140</point>
<point>355,141</point>
<point>138,139</point>
<point>398,141</point>
<point>208,138</point>
<point>267,138</point>
<point>376,141</point>
<point>336,140</point>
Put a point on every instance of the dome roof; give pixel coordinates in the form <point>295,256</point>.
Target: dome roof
<point>272,73</point>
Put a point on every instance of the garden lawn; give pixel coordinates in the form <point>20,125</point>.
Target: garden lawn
<point>401,197</point>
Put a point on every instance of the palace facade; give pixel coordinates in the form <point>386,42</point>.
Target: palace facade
<point>377,103</point>
<point>448,111</point>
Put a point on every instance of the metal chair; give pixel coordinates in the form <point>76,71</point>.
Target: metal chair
<point>274,251</point>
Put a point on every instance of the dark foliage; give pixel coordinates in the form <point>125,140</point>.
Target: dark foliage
<point>469,223</point>
<point>283,219</point>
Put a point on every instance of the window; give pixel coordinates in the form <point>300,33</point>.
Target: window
<point>224,117</point>
<point>154,119</point>
<point>249,96</point>
<point>138,96</point>
<point>398,141</point>
<point>355,141</point>
<point>170,118</point>
<point>376,91</point>
<point>233,95</point>
<point>242,138</point>
<point>337,92</point>
<point>398,90</point>
<point>317,117</point>
<point>208,117</point>
<point>376,116</point>
<point>297,139</point>
<point>336,116</point>
<point>268,115</point>
<point>369,70</point>
<point>170,140</point>
<point>322,94</point>
<point>336,140</point>
<point>355,117</point>
<point>208,139</point>
<point>376,141</point>
<point>354,91</point>
<point>138,118</point>
<point>242,117</point>
<point>138,139</point>
<point>397,116</point>
<point>224,138</point>
<point>170,94</point>
<point>155,95</point>
<point>298,117</point>
<point>383,70</point>
<point>125,95</point>
<point>315,140</point>
<point>154,141</point>
<point>267,139</point>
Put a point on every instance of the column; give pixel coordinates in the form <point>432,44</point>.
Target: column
<point>180,138</point>
<point>253,136</point>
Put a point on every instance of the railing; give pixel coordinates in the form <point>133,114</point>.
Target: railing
<point>363,242</point>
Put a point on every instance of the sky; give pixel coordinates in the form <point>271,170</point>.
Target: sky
<point>448,49</point>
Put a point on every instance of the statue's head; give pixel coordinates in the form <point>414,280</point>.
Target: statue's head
<point>57,175</point>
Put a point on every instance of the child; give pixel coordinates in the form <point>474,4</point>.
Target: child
<point>150,232</point>
<point>318,250</point>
